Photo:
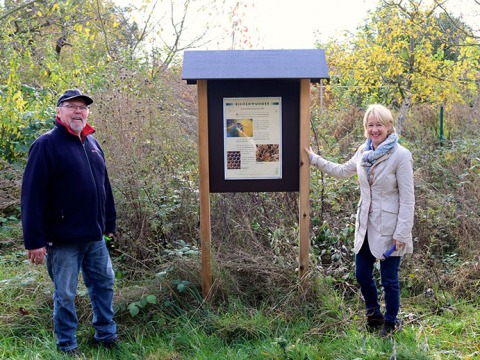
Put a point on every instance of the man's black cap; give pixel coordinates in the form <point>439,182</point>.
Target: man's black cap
<point>71,94</point>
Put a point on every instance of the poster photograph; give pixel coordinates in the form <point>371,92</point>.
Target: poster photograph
<point>252,138</point>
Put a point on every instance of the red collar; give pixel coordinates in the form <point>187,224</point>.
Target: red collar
<point>87,130</point>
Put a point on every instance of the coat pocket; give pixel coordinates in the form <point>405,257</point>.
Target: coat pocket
<point>389,218</point>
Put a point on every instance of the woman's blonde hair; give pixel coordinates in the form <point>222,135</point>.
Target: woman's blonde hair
<point>382,114</point>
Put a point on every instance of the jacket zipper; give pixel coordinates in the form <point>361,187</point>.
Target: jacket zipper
<point>91,174</point>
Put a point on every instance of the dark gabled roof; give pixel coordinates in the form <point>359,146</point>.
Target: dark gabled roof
<point>254,64</point>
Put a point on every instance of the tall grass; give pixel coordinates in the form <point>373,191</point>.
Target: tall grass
<point>321,323</point>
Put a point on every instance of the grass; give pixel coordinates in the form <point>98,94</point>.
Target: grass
<point>324,324</point>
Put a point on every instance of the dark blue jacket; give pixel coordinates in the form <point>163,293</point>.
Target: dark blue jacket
<point>66,194</point>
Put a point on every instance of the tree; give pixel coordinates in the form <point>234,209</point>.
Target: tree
<point>403,56</point>
<point>47,46</point>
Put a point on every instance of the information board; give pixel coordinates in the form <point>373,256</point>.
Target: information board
<point>252,138</point>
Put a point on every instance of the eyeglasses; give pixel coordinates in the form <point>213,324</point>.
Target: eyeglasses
<point>76,107</point>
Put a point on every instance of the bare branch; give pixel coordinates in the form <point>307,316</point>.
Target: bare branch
<point>145,30</point>
<point>102,24</point>
<point>455,24</point>
<point>179,28</point>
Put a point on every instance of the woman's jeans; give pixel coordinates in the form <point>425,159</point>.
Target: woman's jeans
<point>364,264</point>
<point>64,262</point>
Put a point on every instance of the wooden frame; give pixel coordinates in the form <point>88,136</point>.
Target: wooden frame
<point>304,193</point>
<point>205,226</point>
<point>305,66</point>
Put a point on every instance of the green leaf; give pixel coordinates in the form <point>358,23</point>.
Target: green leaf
<point>134,309</point>
<point>151,299</point>
<point>142,302</point>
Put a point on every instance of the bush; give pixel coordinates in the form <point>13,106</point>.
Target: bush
<point>151,162</point>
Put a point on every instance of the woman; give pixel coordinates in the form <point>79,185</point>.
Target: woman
<point>384,214</point>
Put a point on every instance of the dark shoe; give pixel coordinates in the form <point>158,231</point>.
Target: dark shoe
<point>375,321</point>
<point>73,352</point>
<point>390,327</point>
<point>107,344</point>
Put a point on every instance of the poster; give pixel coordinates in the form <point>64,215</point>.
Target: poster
<point>253,138</point>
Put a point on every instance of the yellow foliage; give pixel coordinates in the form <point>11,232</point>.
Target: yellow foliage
<point>402,51</point>
<point>18,99</point>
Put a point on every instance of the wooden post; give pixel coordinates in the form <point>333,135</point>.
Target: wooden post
<point>205,226</point>
<point>304,203</point>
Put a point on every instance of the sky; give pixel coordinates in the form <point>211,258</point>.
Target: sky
<point>297,24</point>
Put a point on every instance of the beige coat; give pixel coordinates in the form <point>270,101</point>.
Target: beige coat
<point>386,207</point>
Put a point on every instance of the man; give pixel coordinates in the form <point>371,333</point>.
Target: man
<point>67,206</point>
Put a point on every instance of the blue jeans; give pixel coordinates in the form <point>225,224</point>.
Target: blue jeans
<point>389,269</point>
<point>64,263</point>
